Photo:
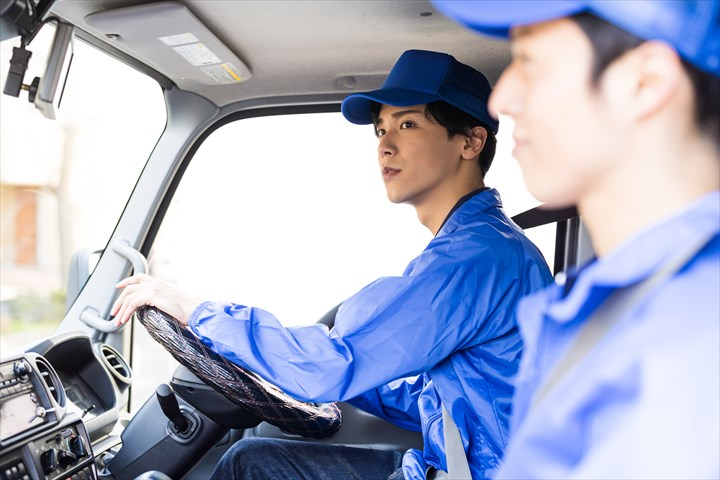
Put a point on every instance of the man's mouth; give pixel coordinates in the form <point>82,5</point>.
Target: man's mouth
<point>388,172</point>
<point>520,144</point>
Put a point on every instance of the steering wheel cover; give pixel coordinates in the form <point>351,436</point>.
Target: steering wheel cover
<point>243,387</point>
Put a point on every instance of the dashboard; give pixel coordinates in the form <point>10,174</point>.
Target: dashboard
<point>20,408</point>
<point>56,400</point>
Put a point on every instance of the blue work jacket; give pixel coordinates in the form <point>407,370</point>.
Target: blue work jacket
<point>644,402</point>
<point>443,330</point>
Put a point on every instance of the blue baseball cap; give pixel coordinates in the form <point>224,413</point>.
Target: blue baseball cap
<point>420,77</point>
<point>692,27</point>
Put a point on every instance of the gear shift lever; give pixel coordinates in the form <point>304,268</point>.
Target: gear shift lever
<point>170,407</point>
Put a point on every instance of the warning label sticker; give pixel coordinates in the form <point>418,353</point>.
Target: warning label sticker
<point>197,54</point>
<point>179,39</point>
<point>224,73</point>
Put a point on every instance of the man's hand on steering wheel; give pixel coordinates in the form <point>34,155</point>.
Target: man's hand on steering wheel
<point>168,310</point>
<point>258,399</point>
<point>141,289</point>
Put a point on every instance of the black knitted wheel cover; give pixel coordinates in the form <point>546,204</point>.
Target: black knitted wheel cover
<point>245,388</point>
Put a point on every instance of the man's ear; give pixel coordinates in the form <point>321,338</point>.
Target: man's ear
<point>474,142</point>
<point>652,74</point>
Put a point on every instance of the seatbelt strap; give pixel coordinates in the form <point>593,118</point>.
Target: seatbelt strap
<point>612,309</point>
<point>455,458</point>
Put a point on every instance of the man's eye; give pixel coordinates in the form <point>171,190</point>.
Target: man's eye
<point>379,132</point>
<point>407,125</point>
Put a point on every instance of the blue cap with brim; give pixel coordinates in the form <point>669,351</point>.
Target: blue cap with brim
<point>420,77</point>
<point>691,27</point>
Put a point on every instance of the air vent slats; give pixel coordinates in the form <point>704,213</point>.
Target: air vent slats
<point>116,364</point>
<point>51,380</point>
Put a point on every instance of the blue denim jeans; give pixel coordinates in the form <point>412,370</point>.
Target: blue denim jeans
<point>273,459</point>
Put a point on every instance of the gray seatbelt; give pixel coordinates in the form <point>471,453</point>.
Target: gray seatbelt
<point>612,309</point>
<point>457,464</point>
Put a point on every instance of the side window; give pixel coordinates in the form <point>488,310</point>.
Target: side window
<point>289,214</point>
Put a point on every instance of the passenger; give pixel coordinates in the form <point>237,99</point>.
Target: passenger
<point>444,330</point>
<point>617,109</point>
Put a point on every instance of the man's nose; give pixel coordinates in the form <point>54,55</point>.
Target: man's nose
<point>505,98</point>
<point>386,147</point>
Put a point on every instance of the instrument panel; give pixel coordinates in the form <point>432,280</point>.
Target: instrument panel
<point>40,438</point>
<point>20,407</point>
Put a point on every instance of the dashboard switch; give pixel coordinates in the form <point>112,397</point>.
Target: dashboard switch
<point>66,458</point>
<point>48,461</point>
<point>77,446</point>
<point>20,368</point>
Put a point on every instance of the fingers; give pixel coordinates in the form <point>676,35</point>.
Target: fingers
<point>122,284</point>
<point>131,298</point>
<point>137,278</point>
<point>142,289</point>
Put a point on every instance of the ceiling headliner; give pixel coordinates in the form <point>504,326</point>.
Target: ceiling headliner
<point>297,47</point>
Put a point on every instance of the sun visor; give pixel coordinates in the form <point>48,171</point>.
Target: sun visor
<point>168,37</point>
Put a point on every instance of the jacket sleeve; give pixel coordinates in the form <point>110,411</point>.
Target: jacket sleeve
<point>396,402</point>
<point>395,327</point>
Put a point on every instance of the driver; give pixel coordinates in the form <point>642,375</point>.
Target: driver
<point>441,334</point>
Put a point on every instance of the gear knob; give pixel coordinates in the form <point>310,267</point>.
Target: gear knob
<point>170,407</point>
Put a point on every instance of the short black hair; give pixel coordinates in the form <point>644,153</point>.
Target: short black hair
<point>610,42</point>
<point>456,122</point>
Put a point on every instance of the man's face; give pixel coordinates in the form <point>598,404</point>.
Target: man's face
<point>418,162</point>
<point>567,137</point>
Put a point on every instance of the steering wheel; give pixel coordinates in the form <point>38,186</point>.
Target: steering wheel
<point>243,387</point>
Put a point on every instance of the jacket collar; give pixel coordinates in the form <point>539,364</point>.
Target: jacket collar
<point>469,206</point>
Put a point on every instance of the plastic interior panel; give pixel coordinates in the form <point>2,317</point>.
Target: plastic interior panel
<point>177,44</point>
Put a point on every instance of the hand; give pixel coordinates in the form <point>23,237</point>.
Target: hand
<point>142,289</point>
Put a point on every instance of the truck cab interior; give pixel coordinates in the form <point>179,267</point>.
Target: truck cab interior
<point>199,141</point>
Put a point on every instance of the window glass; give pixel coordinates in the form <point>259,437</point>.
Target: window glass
<point>64,182</point>
<point>287,214</point>
<point>290,214</point>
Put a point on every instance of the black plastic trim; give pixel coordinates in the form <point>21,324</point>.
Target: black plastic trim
<point>542,215</point>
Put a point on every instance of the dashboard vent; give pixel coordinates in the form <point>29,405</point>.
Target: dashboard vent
<point>116,364</point>
<point>51,380</point>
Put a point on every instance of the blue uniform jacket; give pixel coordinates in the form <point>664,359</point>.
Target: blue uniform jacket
<point>443,330</point>
<point>644,402</point>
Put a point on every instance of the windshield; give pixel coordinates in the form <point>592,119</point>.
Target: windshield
<point>64,182</point>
